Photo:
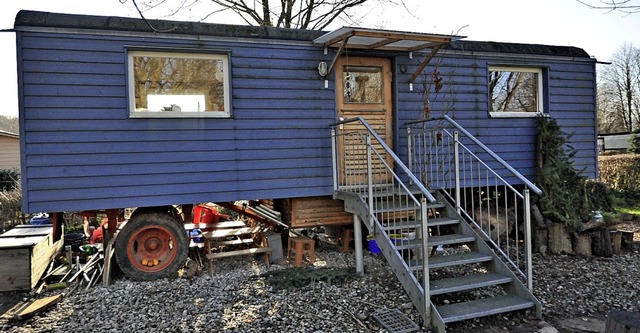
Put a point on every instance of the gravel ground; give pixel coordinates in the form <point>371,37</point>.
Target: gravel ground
<point>577,293</point>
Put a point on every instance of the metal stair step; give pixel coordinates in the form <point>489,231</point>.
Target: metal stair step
<point>465,258</point>
<point>403,244</point>
<point>450,239</point>
<point>482,307</point>
<point>386,207</point>
<point>432,222</point>
<point>467,282</point>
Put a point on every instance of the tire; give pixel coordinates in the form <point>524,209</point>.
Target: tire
<point>151,237</point>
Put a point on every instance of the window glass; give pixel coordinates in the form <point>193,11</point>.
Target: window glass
<point>515,89</point>
<point>178,84</point>
<point>362,84</point>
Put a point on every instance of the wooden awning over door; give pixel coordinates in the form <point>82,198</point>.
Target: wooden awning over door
<point>386,40</point>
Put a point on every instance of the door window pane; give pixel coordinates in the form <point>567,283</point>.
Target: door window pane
<point>362,84</point>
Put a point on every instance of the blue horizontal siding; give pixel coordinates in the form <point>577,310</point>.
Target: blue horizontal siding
<point>464,97</point>
<point>82,151</point>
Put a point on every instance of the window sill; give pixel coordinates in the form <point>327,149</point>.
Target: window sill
<point>516,114</point>
<point>168,114</point>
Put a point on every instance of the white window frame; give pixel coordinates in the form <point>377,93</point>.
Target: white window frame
<point>224,57</point>
<point>540,87</point>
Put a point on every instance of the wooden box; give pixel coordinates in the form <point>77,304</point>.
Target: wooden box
<point>25,253</point>
<point>309,212</point>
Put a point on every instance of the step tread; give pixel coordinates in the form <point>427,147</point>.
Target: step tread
<point>458,259</point>
<point>450,239</point>
<point>452,260</point>
<point>432,222</point>
<point>467,282</point>
<point>385,207</point>
<point>482,307</point>
<point>403,244</point>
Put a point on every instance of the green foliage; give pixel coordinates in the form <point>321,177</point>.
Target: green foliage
<point>8,179</point>
<point>9,124</point>
<point>634,144</point>
<point>621,172</point>
<point>600,196</point>
<point>565,197</point>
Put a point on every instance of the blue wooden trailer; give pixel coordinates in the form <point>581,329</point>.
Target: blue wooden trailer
<point>120,112</point>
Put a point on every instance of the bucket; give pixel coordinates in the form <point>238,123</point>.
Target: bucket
<point>74,240</point>
<point>373,246</point>
<point>205,214</point>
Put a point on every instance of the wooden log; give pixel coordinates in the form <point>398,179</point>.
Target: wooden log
<point>627,239</point>
<point>616,241</point>
<point>559,239</point>
<point>601,244</point>
<point>623,322</point>
<point>583,244</point>
<point>541,240</point>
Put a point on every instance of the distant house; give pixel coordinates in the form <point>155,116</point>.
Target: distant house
<point>9,150</point>
<point>614,142</point>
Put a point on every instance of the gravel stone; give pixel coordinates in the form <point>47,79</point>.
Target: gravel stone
<point>237,299</point>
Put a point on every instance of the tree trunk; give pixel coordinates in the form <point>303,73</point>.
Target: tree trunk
<point>623,322</point>
<point>601,244</point>
<point>616,241</point>
<point>540,240</point>
<point>583,244</point>
<point>559,239</point>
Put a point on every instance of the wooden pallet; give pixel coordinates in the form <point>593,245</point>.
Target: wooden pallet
<point>234,238</point>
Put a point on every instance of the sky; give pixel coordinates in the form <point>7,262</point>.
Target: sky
<point>551,22</point>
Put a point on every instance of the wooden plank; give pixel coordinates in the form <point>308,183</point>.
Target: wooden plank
<point>222,233</point>
<point>38,305</point>
<point>238,252</point>
<point>231,242</point>
<point>18,277</point>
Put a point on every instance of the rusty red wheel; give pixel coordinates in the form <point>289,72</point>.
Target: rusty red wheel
<point>151,246</point>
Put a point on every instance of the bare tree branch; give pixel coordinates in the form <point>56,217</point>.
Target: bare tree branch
<point>624,6</point>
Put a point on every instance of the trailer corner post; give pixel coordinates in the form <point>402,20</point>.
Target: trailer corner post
<point>112,224</point>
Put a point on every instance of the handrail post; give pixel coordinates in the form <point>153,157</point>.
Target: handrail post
<point>334,159</point>
<point>369,181</point>
<point>425,261</point>
<point>410,152</point>
<point>527,236</point>
<point>456,157</point>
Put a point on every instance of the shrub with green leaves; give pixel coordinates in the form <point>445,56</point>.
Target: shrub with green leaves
<point>565,198</point>
<point>8,179</point>
<point>634,144</point>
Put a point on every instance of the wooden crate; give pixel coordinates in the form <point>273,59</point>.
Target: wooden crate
<point>25,253</point>
<point>311,212</point>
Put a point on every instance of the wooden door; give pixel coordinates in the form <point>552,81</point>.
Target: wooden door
<point>363,88</point>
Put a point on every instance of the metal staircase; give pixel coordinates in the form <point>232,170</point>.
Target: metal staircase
<point>477,274</point>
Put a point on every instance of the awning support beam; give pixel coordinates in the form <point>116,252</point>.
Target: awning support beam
<point>340,50</point>
<point>425,62</point>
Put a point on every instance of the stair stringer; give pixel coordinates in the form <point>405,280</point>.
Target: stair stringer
<point>496,265</point>
<point>356,204</point>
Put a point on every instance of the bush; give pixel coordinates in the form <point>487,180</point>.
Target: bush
<point>621,172</point>
<point>8,179</point>
<point>600,195</point>
<point>634,144</point>
<point>565,196</point>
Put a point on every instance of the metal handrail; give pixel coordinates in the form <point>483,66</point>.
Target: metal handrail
<point>440,162</point>
<point>397,161</point>
<point>498,159</point>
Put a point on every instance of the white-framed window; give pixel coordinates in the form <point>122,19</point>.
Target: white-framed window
<point>515,91</point>
<point>164,84</point>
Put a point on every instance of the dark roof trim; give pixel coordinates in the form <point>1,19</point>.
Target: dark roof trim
<point>517,48</point>
<point>26,18</point>
<point>107,23</point>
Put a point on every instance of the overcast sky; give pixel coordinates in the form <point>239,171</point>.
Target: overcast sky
<point>552,22</point>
